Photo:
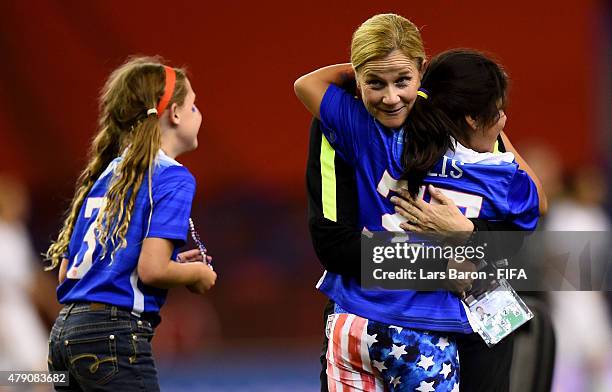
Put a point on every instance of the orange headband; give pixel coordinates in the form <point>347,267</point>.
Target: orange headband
<point>168,90</point>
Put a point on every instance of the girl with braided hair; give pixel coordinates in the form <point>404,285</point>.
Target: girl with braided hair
<point>129,215</point>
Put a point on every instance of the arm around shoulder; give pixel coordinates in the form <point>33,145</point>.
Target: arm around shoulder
<point>311,87</point>
<point>543,200</point>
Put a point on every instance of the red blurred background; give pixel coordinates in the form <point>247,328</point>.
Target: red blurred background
<point>243,58</point>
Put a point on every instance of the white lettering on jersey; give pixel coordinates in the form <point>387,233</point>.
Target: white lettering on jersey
<point>78,271</point>
<point>446,171</point>
<point>470,202</point>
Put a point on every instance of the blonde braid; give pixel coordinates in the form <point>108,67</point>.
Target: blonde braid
<point>138,161</point>
<point>104,148</point>
<point>123,126</point>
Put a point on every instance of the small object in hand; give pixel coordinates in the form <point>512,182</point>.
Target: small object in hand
<point>199,244</point>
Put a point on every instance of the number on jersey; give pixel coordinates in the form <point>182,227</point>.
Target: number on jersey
<point>78,271</point>
<point>468,203</point>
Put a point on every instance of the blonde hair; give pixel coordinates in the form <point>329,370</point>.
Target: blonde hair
<point>380,35</point>
<point>123,127</point>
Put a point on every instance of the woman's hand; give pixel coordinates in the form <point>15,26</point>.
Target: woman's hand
<point>442,217</point>
<point>460,286</point>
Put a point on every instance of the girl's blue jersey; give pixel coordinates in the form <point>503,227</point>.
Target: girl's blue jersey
<point>92,277</point>
<point>483,185</point>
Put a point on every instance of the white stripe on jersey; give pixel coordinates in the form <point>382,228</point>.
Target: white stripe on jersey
<point>321,279</point>
<point>138,306</point>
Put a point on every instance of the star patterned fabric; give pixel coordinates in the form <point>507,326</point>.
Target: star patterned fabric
<point>414,360</point>
<point>375,357</point>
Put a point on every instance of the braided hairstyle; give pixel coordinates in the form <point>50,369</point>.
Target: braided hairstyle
<point>125,128</point>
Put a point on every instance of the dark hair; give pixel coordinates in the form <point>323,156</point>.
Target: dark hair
<point>459,83</point>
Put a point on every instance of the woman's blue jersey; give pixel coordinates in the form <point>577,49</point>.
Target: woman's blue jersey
<point>92,277</point>
<point>483,185</point>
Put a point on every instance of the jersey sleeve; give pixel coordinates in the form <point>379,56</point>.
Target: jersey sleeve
<point>172,197</point>
<point>344,121</point>
<point>523,201</point>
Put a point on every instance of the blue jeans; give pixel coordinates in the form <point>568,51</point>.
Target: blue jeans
<point>103,348</point>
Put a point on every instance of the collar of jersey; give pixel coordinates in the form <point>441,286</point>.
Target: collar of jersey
<point>161,155</point>
<point>467,155</point>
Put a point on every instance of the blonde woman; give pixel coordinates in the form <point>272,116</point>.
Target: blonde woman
<point>411,328</point>
<point>402,340</point>
<point>129,215</point>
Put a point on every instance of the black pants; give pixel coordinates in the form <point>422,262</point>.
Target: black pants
<point>483,369</point>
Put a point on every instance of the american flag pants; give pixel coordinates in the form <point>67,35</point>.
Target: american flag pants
<point>365,355</point>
